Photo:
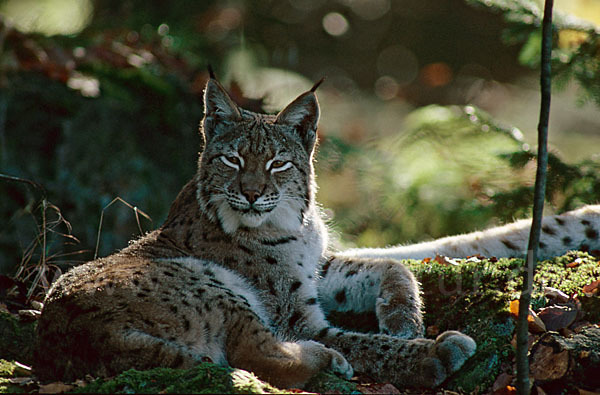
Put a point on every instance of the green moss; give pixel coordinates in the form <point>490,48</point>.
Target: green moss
<point>474,296</point>
<point>206,378</point>
<point>327,382</point>
<point>17,338</point>
<point>7,369</point>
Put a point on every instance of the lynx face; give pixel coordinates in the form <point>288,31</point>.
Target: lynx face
<point>256,169</point>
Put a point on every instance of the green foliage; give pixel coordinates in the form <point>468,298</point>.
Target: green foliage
<point>576,44</point>
<point>452,170</point>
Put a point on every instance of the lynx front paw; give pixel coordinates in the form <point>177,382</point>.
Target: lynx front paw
<point>340,366</point>
<point>449,352</point>
<point>453,349</point>
<point>317,354</point>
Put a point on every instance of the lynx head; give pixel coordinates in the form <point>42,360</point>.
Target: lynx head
<point>256,169</point>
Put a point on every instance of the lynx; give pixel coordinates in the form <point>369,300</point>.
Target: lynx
<point>240,274</point>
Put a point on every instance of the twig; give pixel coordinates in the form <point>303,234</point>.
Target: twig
<point>522,362</point>
<point>25,181</point>
<point>137,218</point>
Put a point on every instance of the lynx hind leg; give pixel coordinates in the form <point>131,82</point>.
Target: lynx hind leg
<point>381,286</point>
<point>283,364</point>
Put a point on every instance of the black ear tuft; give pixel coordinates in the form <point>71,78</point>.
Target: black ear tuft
<point>211,72</point>
<point>316,85</point>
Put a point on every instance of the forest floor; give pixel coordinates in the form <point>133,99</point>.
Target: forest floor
<point>478,296</point>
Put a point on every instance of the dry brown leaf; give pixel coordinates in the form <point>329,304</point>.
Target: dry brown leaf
<point>432,330</point>
<point>508,390</point>
<point>21,380</point>
<point>575,263</point>
<point>55,388</point>
<point>548,362</point>
<point>535,324</point>
<point>502,381</point>
<point>557,316</point>
<point>377,388</point>
<point>556,295</point>
<point>22,369</point>
<point>586,392</point>
<point>592,288</point>
<point>444,260</point>
<point>514,308</point>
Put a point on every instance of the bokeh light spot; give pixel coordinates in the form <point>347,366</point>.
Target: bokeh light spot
<point>335,24</point>
<point>48,17</point>
<point>386,87</point>
<point>370,9</point>
<point>436,74</point>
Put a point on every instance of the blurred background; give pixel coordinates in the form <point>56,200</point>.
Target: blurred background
<point>428,125</point>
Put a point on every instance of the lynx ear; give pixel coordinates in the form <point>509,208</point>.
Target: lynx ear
<point>218,108</point>
<point>303,115</point>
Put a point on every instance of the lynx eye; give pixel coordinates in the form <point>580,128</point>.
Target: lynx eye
<point>233,161</point>
<point>275,165</point>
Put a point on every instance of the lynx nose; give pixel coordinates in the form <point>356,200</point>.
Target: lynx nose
<point>251,195</point>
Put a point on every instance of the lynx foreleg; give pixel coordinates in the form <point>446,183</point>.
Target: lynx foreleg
<point>385,287</point>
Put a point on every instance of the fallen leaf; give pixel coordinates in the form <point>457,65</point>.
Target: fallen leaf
<point>444,260</point>
<point>477,256</point>
<point>514,308</point>
<point>535,324</point>
<point>377,388</point>
<point>21,380</point>
<point>558,316</point>
<point>55,388</point>
<point>508,390</point>
<point>426,260</point>
<point>502,381</point>
<point>474,258</point>
<point>556,295</point>
<point>592,288</point>
<point>586,392</point>
<point>549,361</point>
<point>575,263</point>
<point>432,330</point>
<point>21,369</point>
